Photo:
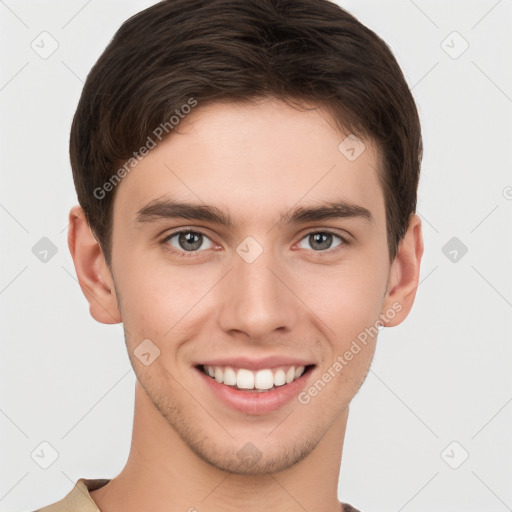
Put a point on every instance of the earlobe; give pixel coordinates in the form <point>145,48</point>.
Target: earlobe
<point>91,269</point>
<point>404,275</point>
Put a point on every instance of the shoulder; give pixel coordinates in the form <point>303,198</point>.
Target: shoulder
<point>78,499</point>
<point>349,508</point>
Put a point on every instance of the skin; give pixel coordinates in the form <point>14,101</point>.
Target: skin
<point>293,300</point>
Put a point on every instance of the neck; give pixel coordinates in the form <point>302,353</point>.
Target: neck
<point>163,474</point>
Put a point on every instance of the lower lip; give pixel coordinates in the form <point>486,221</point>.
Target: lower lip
<point>252,402</point>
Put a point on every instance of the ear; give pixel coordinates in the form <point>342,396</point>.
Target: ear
<point>404,276</point>
<point>91,269</point>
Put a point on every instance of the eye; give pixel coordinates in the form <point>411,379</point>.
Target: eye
<point>322,240</point>
<point>187,241</point>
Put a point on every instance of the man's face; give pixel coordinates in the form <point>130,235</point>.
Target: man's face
<point>263,294</point>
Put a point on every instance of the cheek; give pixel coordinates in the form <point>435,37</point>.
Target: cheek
<point>157,300</point>
<point>348,299</point>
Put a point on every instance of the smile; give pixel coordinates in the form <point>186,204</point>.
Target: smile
<point>255,387</point>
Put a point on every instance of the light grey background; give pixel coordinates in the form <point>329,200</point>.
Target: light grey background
<point>442,376</point>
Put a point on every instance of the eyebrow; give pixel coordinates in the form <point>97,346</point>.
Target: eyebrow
<point>171,209</point>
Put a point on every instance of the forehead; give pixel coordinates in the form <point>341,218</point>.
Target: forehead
<point>254,158</point>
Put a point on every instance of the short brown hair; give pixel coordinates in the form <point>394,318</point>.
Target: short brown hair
<point>242,50</point>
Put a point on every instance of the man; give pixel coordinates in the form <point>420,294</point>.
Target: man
<point>247,176</point>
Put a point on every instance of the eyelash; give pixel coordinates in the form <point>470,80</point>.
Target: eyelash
<point>193,254</point>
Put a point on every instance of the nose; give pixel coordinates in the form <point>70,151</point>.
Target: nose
<point>257,298</point>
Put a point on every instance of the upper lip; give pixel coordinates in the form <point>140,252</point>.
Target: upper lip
<point>256,364</point>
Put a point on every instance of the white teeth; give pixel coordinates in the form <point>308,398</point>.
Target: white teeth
<point>264,379</point>
<point>229,376</point>
<point>290,374</point>
<point>279,377</point>
<point>245,379</point>
<point>261,380</point>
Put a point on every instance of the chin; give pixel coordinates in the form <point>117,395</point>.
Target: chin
<point>251,460</point>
